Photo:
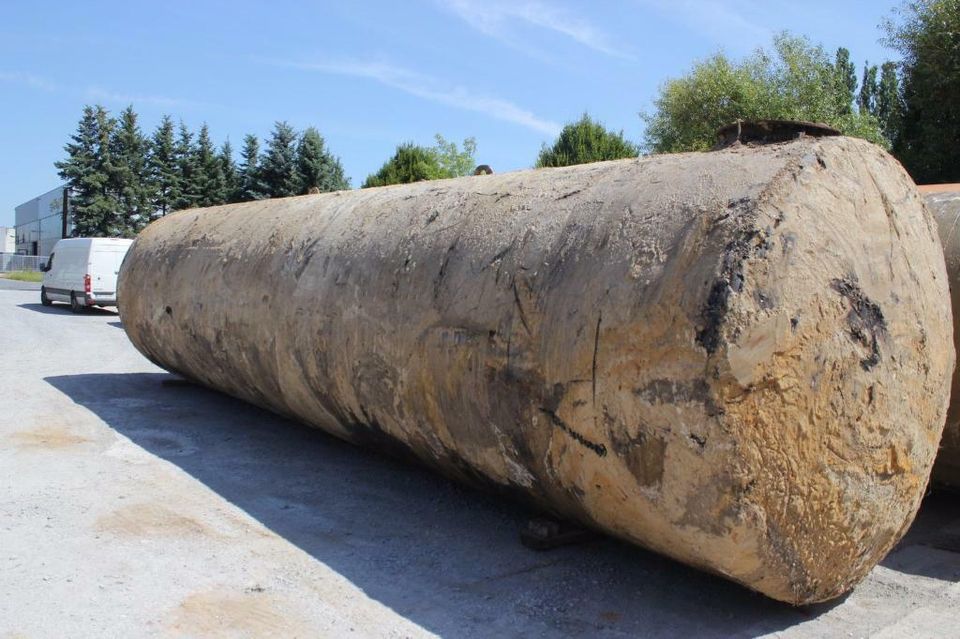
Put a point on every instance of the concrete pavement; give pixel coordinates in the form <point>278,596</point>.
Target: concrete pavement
<point>133,505</point>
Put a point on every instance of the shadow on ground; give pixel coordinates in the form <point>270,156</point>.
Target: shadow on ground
<point>444,556</point>
<point>57,309</point>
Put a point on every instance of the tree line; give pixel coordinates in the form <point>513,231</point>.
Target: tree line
<point>120,179</point>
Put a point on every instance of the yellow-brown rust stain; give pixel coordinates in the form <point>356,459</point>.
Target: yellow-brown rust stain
<point>47,437</point>
<point>149,520</point>
<point>222,613</point>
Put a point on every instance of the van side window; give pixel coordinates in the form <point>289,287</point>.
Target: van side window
<point>49,262</point>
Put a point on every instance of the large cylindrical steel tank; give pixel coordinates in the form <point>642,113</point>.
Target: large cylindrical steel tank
<point>944,201</point>
<point>740,359</point>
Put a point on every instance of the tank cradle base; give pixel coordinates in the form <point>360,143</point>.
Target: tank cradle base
<point>542,533</point>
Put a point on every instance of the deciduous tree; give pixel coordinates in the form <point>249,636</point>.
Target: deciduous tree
<point>927,34</point>
<point>797,81</point>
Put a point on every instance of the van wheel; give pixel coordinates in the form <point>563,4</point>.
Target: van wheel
<point>43,297</point>
<point>75,304</point>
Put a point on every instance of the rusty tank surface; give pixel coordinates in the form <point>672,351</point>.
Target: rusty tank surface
<point>740,359</point>
<point>944,202</point>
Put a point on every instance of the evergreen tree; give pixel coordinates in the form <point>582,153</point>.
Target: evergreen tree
<point>87,171</point>
<point>228,168</point>
<point>846,80</point>
<point>868,90</point>
<point>586,141</point>
<point>317,168</point>
<point>211,189</point>
<point>128,181</point>
<point>162,171</point>
<point>251,185</point>
<point>279,164</point>
<point>185,153</point>
<point>410,163</point>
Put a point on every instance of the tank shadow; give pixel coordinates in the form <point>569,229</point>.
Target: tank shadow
<point>57,308</point>
<point>931,548</point>
<point>445,556</point>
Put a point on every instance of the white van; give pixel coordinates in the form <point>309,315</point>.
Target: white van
<point>83,271</point>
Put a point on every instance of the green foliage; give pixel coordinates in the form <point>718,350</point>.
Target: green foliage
<point>797,82</point>
<point>185,154</point>
<point>251,184</point>
<point>410,163</point>
<point>927,34</point>
<point>586,141</point>
<point>24,276</point>
<point>845,77</point>
<point>211,188</point>
<point>128,180</point>
<point>163,177</point>
<point>279,165</point>
<point>453,161</point>
<point>888,102</point>
<point>120,180</point>
<point>867,100</point>
<point>316,167</point>
<point>87,170</point>
<point>229,171</point>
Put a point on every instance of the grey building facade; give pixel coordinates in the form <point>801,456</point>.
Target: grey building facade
<point>39,222</point>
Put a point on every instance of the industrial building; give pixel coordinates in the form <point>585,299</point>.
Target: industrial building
<point>40,222</point>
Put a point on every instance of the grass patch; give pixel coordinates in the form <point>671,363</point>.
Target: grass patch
<point>25,276</point>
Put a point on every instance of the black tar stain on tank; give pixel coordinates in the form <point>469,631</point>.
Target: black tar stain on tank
<point>865,320</point>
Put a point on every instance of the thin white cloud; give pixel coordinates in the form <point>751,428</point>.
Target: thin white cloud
<point>428,88</point>
<point>27,79</point>
<point>726,21</point>
<point>100,94</point>
<point>497,18</point>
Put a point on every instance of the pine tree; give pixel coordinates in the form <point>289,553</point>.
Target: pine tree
<point>211,189</point>
<point>185,153</point>
<point>250,181</point>
<point>317,168</point>
<point>279,164</point>
<point>87,170</point>
<point>163,174</point>
<point>868,90</point>
<point>128,179</point>
<point>228,168</point>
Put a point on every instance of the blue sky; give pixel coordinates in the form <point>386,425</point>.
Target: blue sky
<point>372,74</point>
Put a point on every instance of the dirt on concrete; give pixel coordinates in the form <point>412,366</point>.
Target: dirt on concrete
<point>168,510</point>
